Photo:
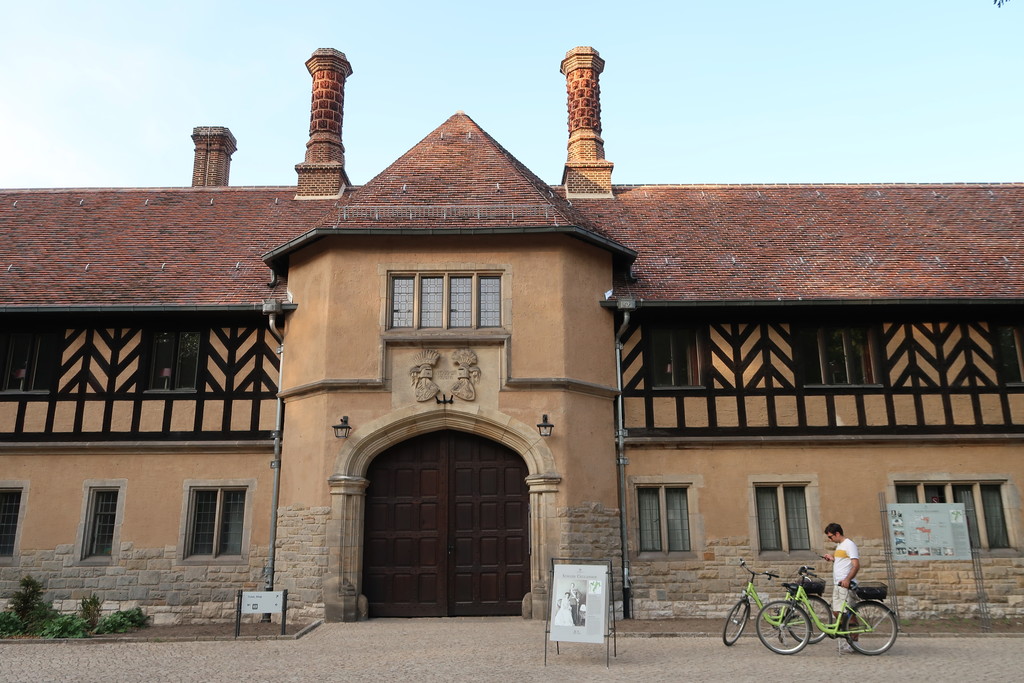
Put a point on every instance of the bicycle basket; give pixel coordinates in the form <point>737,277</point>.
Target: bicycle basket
<point>872,591</point>
<point>814,586</point>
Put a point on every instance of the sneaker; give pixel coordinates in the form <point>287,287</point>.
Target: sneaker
<point>845,649</point>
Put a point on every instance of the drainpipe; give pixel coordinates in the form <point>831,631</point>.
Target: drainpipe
<point>625,305</point>
<point>272,308</point>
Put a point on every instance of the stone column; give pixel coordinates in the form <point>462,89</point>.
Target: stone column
<point>343,583</point>
<point>544,538</point>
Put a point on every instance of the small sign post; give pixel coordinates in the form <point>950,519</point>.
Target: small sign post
<point>261,602</point>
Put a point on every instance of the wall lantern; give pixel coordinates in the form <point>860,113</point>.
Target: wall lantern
<point>545,427</point>
<point>342,429</point>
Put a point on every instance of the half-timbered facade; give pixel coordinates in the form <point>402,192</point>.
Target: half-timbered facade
<point>670,377</point>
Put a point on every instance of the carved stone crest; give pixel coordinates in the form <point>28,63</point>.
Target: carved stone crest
<point>422,374</point>
<point>467,374</point>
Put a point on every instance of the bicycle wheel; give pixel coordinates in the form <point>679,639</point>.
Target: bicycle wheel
<point>822,610</point>
<point>784,627</point>
<point>876,628</point>
<point>736,621</point>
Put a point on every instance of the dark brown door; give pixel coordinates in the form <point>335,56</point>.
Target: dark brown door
<point>446,528</point>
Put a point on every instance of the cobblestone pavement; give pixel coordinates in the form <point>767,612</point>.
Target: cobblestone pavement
<point>489,649</point>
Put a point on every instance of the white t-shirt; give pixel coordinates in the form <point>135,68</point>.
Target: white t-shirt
<point>846,552</point>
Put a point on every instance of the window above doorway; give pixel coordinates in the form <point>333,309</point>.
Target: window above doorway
<point>458,300</point>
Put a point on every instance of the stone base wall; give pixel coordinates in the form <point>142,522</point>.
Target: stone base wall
<point>301,563</point>
<point>591,532</point>
<point>706,584</point>
<point>150,578</point>
<point>171,592</point>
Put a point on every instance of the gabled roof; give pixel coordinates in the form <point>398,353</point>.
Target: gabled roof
<point>457,179</point>
<point>789,243</point>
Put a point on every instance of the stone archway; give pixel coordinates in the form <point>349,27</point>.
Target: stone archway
<point>343,584</point>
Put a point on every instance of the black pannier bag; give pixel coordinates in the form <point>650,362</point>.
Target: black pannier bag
<point>814,586</point>
<point>871,591</point>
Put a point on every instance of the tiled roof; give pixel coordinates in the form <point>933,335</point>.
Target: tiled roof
<point>144,247</point>
<point>457,176</point>
<point>205,247</point>
<point>818,242</point>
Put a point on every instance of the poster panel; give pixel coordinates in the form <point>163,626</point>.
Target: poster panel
<point>929,531</point>
<point>579,603</point>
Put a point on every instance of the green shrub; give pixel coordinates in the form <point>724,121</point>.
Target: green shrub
<point>65,626</point>
<point>11,625</point>
<point>120,622</point>
<point>29,606</point>
<point>136,617</point>
<point>90,610</point>
<point>27,601</point>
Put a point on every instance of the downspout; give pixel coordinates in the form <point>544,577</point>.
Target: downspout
<point>272,308</point>
<point>624,305</point>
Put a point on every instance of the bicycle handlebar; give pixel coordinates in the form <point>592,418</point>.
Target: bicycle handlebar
<point>770,574</point>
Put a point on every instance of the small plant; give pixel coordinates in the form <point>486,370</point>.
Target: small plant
<point>65,626</point>
<point>11,625</point>
<point>27,600</point>
<point>89,610</point>
<point>121,622</point>
<point>29,606</point>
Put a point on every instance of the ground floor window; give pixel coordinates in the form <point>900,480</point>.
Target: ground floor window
<point>101,524</point>
<point>664,518</point>
<point>10,511</point>
<point>983,501</point>
<point>777,503</point>
<point>216,522</point>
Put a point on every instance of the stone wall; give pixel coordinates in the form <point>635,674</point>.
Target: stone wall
<point>172,592</point>
<point>591,532</point>
<point>706,584</point>
<point>302,559</point>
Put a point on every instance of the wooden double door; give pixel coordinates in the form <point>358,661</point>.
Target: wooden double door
<point>446,528</point>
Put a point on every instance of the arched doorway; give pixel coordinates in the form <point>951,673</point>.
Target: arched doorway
<point>446,531</point>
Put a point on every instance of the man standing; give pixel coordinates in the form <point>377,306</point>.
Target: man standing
<point>846,564</point>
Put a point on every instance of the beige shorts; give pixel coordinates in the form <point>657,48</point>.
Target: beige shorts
<point>839,596</point>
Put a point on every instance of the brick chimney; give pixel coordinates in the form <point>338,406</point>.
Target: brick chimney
<point>587,173</point>
<point>322,174</point>
<point>214,147</point>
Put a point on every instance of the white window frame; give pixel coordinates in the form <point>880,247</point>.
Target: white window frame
<point>811,503</point>
<point>16,486</point>
<point>90,488</point>
<point>186,529</point>
<point>417,310</point>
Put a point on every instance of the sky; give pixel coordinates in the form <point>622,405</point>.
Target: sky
<point>106,94</point>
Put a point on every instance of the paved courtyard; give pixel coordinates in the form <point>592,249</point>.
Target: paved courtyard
<point>490,649</point>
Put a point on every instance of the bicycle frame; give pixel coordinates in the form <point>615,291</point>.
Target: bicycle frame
<point>833,629</point>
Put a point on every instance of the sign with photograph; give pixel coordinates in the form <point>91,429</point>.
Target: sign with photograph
<point>579,603</point>
<point>929,531</point>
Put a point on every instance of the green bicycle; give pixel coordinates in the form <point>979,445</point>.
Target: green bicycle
<point>785,626</point>
<point>739,615</point>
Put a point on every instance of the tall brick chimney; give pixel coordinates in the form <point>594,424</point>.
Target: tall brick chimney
<point>322,174</point>
<point>214,147</point>
<point>587,173</point>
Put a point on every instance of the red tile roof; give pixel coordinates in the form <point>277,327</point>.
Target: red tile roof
<point>205,247</point>
<point>144,247</point>
<point>818,242</point>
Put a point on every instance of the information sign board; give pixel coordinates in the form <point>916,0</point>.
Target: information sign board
<point>929,531</point>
